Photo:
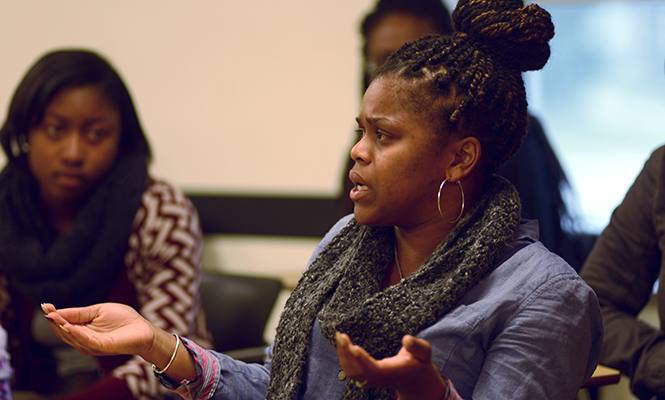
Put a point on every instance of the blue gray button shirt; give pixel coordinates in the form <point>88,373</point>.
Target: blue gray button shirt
<point>531,329</point>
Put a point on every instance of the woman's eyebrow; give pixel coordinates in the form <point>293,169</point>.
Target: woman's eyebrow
<point>374,120</point>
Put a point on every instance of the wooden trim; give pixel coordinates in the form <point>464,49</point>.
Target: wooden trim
<point>603,376</point>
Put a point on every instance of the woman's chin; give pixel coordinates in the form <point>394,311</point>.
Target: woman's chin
<point>366,217</point>
<point>361,216</point>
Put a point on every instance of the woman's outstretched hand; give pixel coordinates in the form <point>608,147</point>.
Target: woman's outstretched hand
<point>112,328</point>
<point>411,372</point>
<point>102,329</point>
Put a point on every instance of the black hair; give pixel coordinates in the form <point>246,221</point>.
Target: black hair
<point>432,10</point>
<point>53,72</point>
<point>472,78</point>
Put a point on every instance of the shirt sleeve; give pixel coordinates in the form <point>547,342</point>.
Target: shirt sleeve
<point>207,376</point>
<point>548,348</point>
<point>220,377</point>
<point>164,264</point>
<point>622,268</point>
<point>451,393</point>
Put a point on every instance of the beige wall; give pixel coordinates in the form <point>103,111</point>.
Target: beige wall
<point>236,96</point>
<point>252,96</point>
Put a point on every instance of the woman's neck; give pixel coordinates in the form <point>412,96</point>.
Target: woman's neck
<point>412,247</point>
<point>415,244</point>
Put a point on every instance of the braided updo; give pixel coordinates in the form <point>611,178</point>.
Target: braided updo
<point>471,80</point>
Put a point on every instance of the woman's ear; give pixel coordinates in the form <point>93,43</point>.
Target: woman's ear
<point>467,158</point>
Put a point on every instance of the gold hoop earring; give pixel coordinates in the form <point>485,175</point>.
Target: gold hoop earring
<point>438,201</point>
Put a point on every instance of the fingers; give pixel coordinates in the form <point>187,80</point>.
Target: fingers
<point>54,317</point>
<point>420,349</point>
<point>60,330</point>
<point>402,372</point>
<point>68,334</point>
<point>356,362</point>
<point>344,342</point>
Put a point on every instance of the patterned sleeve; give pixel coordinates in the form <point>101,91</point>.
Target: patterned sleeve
<point>206,381</point>
<point>451,393</point>
<point>163,263</point>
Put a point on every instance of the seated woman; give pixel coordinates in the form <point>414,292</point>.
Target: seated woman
<point>434,288</point>
<point>82,222</point>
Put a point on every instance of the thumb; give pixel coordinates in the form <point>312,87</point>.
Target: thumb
<point>420,349</point>
<point>79,315</point>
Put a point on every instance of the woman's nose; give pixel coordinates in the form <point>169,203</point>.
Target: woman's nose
<point>359,152</point>
<point>72,149</point>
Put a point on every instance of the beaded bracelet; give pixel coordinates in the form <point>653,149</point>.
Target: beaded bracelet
<point>177,344</point>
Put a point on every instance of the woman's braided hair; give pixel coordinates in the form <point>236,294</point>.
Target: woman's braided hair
<point>472,79</point>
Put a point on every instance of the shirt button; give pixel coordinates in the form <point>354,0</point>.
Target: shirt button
<point>341,375</point>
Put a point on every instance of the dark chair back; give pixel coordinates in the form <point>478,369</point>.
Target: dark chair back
<point>237,309</point>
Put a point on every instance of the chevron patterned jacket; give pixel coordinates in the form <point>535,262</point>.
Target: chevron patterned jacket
<point>162,281</point>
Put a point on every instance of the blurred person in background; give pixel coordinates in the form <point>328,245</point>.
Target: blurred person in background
<point>623,267</point>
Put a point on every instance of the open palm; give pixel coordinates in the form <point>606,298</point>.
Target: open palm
<point>410,372</point>
<point>102,329</point>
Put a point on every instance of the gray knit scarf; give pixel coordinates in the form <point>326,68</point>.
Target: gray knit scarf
<point>342,287</point>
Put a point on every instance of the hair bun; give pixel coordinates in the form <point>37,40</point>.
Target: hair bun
<point>516,35</point>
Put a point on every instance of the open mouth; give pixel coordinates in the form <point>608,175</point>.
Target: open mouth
<point>360,186</point>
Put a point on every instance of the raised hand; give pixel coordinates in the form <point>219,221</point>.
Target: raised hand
<point>411,372</point>
<point>102,329</point>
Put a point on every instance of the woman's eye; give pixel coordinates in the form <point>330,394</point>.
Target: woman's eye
<point>380,135</point>
<point>53,130</point>
<point>94,135</point>
<point>377,134</point>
